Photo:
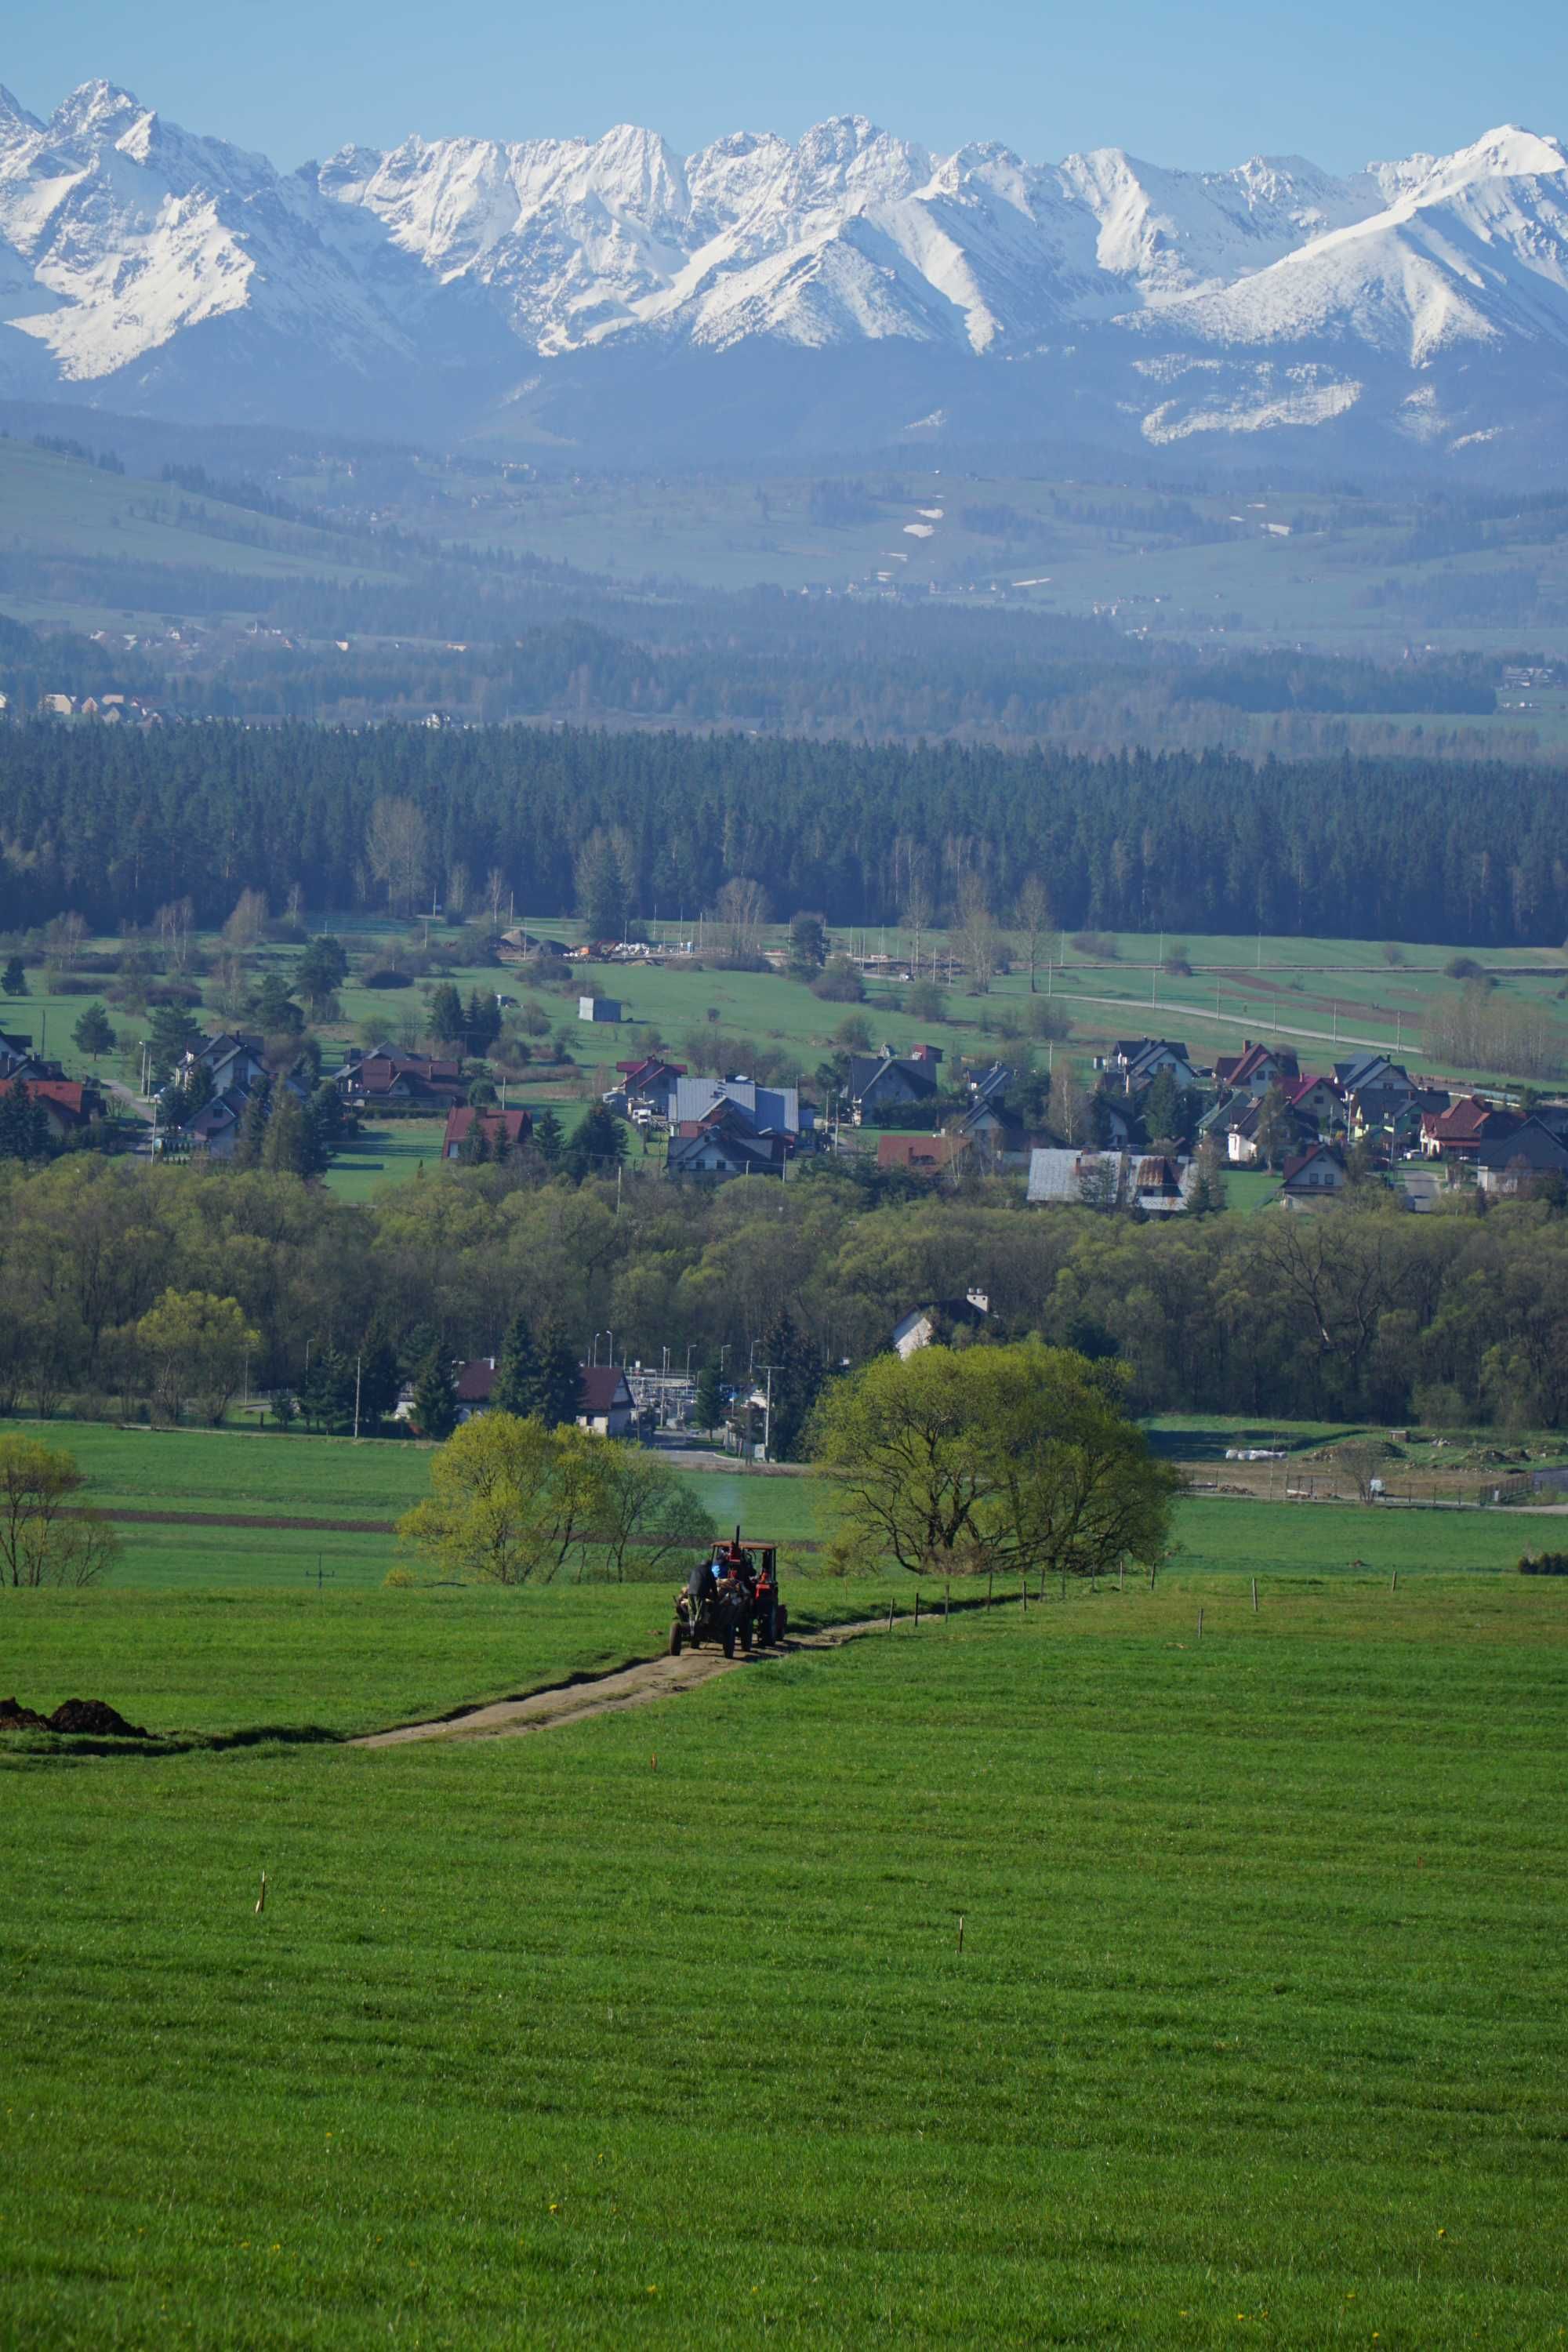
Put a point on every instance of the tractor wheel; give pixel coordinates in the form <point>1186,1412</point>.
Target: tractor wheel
<point>677,1635</point>
<point>728,1641</point>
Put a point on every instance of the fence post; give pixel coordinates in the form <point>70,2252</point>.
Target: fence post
<point>889,1616</point>
<point>1200,1625</point>
<point>988,1573</point>
<point>946,1603</point>
<point>1255,1596</point>
<point>917,1612</point>
<point>1023,1593</point>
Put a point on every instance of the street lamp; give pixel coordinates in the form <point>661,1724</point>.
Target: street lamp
<point>594,1351</point>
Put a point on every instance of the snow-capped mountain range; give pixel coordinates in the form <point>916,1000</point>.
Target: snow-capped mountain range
<point>565,287</point>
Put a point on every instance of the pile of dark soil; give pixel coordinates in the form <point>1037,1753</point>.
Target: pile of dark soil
<point>15,1717</point>
<point>93,1716</point>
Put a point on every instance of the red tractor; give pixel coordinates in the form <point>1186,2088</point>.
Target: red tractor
<point>733,1596</point>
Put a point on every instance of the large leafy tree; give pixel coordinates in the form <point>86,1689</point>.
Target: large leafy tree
<point>196,1345</point>
<point>1009,1459</point>
<point>510,1499</point>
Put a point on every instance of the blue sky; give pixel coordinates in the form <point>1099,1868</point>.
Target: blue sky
<point>1342,82</point>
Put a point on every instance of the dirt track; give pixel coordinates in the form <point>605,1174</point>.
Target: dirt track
<point>653,1678</point>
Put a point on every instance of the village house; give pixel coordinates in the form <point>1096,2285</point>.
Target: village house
<point>1470,1121</point>
<point>1314,1174</point>
<point>880,1083</point>
<point>605,1404</point>
<point>1151,1181</point>
<point>68,1105</point>
<point>1296,1130</point>
<point>1139,1061</point>
<point>645,1089</point>
<point>521,945</point>
<point>503,1130</point>
<point>1255,1068</point>
<point>1316,1098</point>
<point>725,1140</point>
<point>1514,1162</point>
<point>923,1325</point>
<point>388,1079</point>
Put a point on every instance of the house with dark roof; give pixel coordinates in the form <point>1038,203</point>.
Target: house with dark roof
<point>1246,1118</point>
<point>1372,1069</point>
<point>392,1080</point>
<point>1316,1098</point>
<point>885,1082</point>
<point>604,1402</point>
<point>214,1129</point>
<point>923,1326</point>
<point>725,1141</point>
<point>1139,1061</point>
<point>647,1087</point>
<point>1512,1163</point>
<point>1315,1174</point>
<point>503,1130</point>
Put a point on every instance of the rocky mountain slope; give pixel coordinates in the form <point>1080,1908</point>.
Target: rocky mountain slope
<point>851,287</point>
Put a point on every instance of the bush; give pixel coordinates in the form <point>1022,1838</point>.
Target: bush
<point>386,977</point>
<point>924,1000</point>
<point>1178,963</point>
<point>839,983</point>
<point>1098,945</point>
<point>1545,1563</point>
<point>1048,1020</point>
<point>1464,967</point>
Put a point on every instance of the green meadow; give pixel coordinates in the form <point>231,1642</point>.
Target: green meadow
<point>660,2028</point>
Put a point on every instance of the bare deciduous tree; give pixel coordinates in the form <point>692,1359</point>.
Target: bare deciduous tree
<point>395,847</point>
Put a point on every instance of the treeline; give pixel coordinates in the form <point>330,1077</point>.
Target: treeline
<point>113,823</point>
<point>1363,1312</point>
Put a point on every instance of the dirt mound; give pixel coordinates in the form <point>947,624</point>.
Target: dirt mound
<point>15,1717</point>
<point>93,1716</point>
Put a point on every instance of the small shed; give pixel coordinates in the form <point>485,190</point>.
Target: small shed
<point>598,1008</point>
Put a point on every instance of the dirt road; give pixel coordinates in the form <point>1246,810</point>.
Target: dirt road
<point>653,1678</point>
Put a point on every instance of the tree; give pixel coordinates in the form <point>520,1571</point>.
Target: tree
<point>286,1148</point>
<point>275,1009</point>
<point>435,1402</point>
<point>323,1130</point>
<point>560,1377</point>
<point>322,970</point>
<point>740,915</point>
<point>642,1511</point>
<point>327,1390</point>
<point>447,1024</point>
<point>254,1121</point>
<point>807,944</point>
<point>395,849</point>
<point>1006,1459</point>
<point>916,919</point>
<point>14,979</point>
<point>510,1498</point>
<point>196,1345</point>
<point>248,920</point>
<point>1273,1137</point>
<point>1033,920</point>
<point>983,945</point>
<point>46,1536</point>
<point>839,982</point>
<point>517,1388</point>
<point>1161,1110</point>
<point>707,1404</point>
<point>1069,1103</point>
<point>94,1033</point>
<point>481,1019</point>
<point>599,1144</point>
<point>549,1139</point>
<point>1208,1193</point>
<point>170,1033</point>
<point>24,1125</point>
<point>924,1000</point>
<point>605,874</point>
<point>791,1371</point>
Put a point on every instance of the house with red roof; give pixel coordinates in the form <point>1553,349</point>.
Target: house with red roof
<point>1314,1175</point>
<point>503,1130</point>
<point>1255,1068</point>
<point>1458,1132</point>
<point>67,1103</point>
<point>604,1403</point>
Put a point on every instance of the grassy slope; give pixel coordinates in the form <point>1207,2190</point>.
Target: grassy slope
<point>1257,2028</point>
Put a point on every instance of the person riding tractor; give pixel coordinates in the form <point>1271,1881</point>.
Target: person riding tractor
<point>733,1595</point>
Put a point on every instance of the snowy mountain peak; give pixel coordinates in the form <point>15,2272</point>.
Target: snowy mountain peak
<point>175,267</point>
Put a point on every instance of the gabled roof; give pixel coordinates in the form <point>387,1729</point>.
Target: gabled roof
<point>1302,1160</point>
<point>1253,1061</point>
<point>604,1387</point>
<point>1300,1088</point>
<point>870,1073</point>
<point>68,1096</point>
<point>921,1155</point>
<point>770,1110</point>
<point>515,1125</point>
<point>1532,1144</point>
<point>1469,1120</point>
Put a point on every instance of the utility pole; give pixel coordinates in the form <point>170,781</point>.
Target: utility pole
<point>359,1367</point>
<point>768,1415</point>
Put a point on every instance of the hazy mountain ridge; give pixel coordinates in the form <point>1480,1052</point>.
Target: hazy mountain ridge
<point>1424,300</point>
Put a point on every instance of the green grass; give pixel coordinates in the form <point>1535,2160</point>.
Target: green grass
<point>389,1152</point>
<point>1257,2031</point>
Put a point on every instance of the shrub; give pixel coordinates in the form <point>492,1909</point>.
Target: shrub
<point>839,983</point>
<point>1464,967</point>
<point>386,977</point>
<point>1048,1020</point>
<point>924,1000</point>
<point>1100,945</point>
<point>1545,1563</point>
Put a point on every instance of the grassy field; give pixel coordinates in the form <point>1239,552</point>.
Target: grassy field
<point>1256,2030</point>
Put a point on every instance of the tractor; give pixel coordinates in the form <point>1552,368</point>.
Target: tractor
<point>732,1596</point>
